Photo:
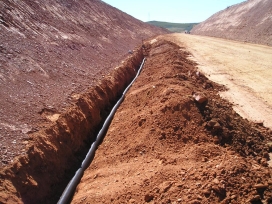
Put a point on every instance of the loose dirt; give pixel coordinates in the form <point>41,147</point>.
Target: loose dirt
<point>175,140</point>
<point>54,153</point>
<point>245,69</point>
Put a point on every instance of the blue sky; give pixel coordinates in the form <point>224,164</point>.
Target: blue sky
<point>176,11</point>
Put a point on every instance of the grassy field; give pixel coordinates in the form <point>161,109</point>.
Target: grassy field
<point>174,27</point>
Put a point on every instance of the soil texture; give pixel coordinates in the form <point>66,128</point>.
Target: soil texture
<point>54,153</point>
<point>50,51</point>
<point>175,140</point>
<point>244,69</point>
<point>249,21</point>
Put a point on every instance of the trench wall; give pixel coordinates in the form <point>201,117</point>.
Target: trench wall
<point>54,153</point>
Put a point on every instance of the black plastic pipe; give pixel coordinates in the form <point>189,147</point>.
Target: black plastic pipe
<point>71,187</point>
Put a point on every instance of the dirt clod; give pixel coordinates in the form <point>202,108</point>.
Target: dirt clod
<point>261,186</point>
<point>148,198</point>
<point>200,98</point>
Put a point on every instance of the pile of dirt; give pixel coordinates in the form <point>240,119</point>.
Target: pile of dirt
<point>50,51</point>
<point>249,21</point>
<point>174,140</point>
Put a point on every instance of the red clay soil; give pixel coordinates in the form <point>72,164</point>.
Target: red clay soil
<point>54,153</point>
<point>50,51</point>
<point>249,21</point>
<point>174,140</point>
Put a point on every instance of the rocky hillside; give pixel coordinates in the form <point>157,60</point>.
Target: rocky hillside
<point>50,51</point>
<point>249,21</point>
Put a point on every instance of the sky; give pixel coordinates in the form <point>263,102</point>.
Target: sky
<point>175,11</point>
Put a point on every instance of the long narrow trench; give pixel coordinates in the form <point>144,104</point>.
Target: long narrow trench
<point>173,134</point>
<point>69,190</point>
<point>56,152</point>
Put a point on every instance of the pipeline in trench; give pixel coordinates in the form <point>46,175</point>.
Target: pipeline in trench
<point>54,153</point>
<point>70,189</point>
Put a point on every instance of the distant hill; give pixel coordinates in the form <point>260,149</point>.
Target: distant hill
<point>174,27</point>
<point>249,21</point>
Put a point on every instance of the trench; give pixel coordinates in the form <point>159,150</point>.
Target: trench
<point>163,129</point>
<point>55,153</point>
<point>70,189</point>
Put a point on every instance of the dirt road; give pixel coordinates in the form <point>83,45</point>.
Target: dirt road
<point>245,69</point>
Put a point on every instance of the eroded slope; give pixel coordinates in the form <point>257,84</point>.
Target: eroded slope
<point>49,52</point>
<point>249,21</point>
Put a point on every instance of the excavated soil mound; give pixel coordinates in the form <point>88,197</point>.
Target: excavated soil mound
<point>174,140</point>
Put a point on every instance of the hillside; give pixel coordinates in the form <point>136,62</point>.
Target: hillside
<point>52,52</point>
<point>249,21</point>
<point>173,27</point>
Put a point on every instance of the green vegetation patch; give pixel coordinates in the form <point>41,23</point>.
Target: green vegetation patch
<point>174,27</point>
